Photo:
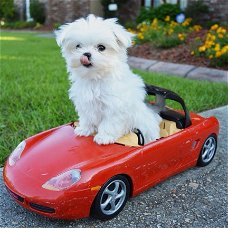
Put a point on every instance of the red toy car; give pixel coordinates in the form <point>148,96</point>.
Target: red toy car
<point>59,175</point>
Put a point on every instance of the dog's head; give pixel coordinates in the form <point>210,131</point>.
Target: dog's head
<point>93,45</point>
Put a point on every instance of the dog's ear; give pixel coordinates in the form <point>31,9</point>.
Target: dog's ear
<point>124,38</point>
<point>60,34</point>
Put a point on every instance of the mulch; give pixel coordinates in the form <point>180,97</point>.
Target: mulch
<point>179,54</point>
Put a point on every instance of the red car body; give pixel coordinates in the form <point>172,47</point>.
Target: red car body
<point>57,150</point>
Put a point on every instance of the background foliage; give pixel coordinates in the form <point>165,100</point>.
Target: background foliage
<point>148,14</point>
<point>7,10</point>
<point>198,11</point>
<point>37,10</point>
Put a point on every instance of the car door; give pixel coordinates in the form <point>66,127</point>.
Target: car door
<point>163,158</point>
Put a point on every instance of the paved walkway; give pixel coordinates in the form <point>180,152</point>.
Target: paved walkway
<point>195,198</point>
<point>182,70</point>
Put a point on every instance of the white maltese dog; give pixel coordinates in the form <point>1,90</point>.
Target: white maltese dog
<point>108,97</point>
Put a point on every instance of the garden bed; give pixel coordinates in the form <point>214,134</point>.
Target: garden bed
<point>178,54</point>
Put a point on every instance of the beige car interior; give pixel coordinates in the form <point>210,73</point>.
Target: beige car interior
<point>167,128</point>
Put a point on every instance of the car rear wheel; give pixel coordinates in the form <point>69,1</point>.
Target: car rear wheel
<point>111,198</point>
<point>208,151</point>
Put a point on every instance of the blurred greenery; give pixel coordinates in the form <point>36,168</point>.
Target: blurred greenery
<point>167,9</point>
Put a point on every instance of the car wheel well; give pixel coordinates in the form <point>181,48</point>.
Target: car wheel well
<point>96,209</point>
<point>130,182</point>
<point>208,150</point>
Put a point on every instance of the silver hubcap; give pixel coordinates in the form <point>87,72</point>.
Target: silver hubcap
<point>208,149</point>
<point>113,197</point>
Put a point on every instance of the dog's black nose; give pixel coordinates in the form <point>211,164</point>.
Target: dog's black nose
<point>88,55</point>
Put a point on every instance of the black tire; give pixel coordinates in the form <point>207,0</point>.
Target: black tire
<point>208,151</point>
<point>111,198</point>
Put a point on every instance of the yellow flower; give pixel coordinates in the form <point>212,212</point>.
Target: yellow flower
<point>192,53</point>
<point>173,24</point>
<point>214,27</point>
<point>202,49</point>
<point>217,47</point>
<point>170,31</point>
<point>208,44</point>
<point>181,36</point>
<point>223,31</point>
<point>187,22</point>
<point>133,42</point>
<point>220,35</point>
<point>131,30</point>
<point>210,57</point>
<point>211,37</point>
<point>140,36</point>
<point>143,27</point>
<point>218,54</point>
<point>218,30</point>
<point>224,50</point>
<point>167,18</point>
<point>197,28</point>
<point>154,24</point>
<point>143,24</point>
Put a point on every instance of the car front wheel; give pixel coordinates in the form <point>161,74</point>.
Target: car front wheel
<point>111,198</point>
<point>208,151</point>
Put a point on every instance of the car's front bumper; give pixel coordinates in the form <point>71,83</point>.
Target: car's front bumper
<point>55,204</point>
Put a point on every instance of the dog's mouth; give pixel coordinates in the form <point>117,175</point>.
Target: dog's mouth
<point>85,61</point>
<point>87,65</point>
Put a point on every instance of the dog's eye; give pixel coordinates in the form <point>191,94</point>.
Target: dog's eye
<point>101,47</point>
<point>78,46</point>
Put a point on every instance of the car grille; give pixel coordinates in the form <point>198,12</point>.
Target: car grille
<point>35,206</point>
<point>15,196</point>
<point>42,208</point>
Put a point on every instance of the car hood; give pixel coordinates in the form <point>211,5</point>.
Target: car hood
<point>55,151</point>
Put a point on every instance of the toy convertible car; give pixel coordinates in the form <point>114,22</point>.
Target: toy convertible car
<point>59,175</point>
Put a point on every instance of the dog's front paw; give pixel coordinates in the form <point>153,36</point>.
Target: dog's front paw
<point>79,131</point>
<point>104,139</point>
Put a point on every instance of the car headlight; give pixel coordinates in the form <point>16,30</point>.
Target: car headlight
<point>63,180</point>
<point>16,154</point>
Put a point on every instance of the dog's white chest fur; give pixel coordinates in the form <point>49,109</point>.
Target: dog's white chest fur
<point>88,97</point>
<point>113,107</point>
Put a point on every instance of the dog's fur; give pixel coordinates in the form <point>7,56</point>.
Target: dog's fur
<point>108,97</point>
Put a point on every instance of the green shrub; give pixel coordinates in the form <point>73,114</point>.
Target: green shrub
<point>148,14</point>
<point>57,25</point>
<point>37,11</point>
<point>7,10</point>
<point>161,40</point>
<point>19,24</point>
<point>197,10</point>
<point>166,42</point>
<point>167,10</point>
<point>214,46</point>
<point>210,23</point>
<point>162,34</point>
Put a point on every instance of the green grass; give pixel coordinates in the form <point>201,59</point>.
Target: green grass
<point>198,95</point>
<point>34,89</point>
